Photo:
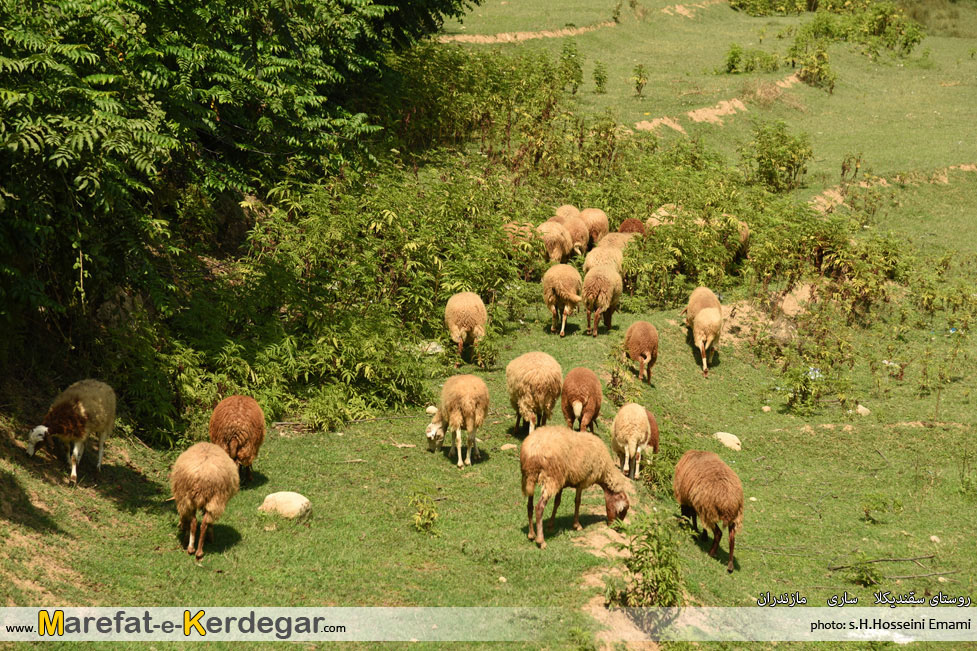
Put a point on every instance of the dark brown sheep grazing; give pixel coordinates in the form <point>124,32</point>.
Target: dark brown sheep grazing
<point>238,427</point>
<point>641,342</point>
<point>653,439</point>
<point>582,397</point>
<point>203,478</point>
<point>632,225</point>
<point>707,488</point>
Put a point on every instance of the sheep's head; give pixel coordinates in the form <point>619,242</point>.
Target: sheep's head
<point>38,436</point>
<point>617,505</point>
<point>435,430</point>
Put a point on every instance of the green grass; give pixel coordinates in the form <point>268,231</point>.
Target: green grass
<point>496,16</point>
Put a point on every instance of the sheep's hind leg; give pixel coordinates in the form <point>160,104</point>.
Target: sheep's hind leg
<point>529,512</point>
<point>193,533</point>
<point>563,326</point>
<point>717,533</point>
<point>461,464</point>
<point>576,511</point>
<point>556,505</point>
<point>204,523</point>
<point>732,543</point>
<point>540,507</point>
<point>101,449</point>
<point>555,317</point>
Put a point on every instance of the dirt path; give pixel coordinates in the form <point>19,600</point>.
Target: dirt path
<point>516,37</point>
<point>834,197</point>
<point>690,10</point>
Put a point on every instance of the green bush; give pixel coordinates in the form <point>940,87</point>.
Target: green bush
<point>740,61</point>
<point>775,158</point>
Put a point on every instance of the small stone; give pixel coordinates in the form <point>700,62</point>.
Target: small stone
<point>753,499</point>
<point>508,446</point>
<point>941,579</point>
<point>729,440</point>
<point>502,579</point>
<point>935,539</point>
<point>862,410</point>
<point>766,409</point>
<point>286,504</point>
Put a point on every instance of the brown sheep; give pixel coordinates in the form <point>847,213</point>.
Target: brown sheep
<point>238,427</point>
<point>632,225</point>
<point>579,234</point>
<point>707,488</point>
<point>641,342</point>
<point>561,291</point>
<point>557,240</point>
<point>558,458</point>
<point>654,435</point>
<point>464,405</point>
<point>85,408</point>
<point>465,317</point>
<point>534,381</point>
<point>567,210</point>
<point>602,287</point>
<point>597,224</point>
<point>203,478</point>
<point>604,255</point>
<point>581,398</point>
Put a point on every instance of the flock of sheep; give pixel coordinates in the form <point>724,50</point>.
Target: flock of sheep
<point>206,475</point>
<point>560,457</point>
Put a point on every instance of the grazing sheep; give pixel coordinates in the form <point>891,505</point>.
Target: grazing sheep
<point>604,255</point>
<point>597,224</point>
<point>557,240</point>
<point>704,316</point>
<point>558,458</point>
<point>579,233</point>
<point>203,478</point>
<point>707,488</point>
<point>84,408</point>
<point>581,399</point>
<point>632,432</point>
<point>534,381</point>
<point>465,317</point>
<point>602,287</point>
<point>561,291</point>
<point>567,210</point>
<point>632,225</point>
<point>238,427</point>
<point>653,425</point>
<point>641,342</point>
<point>617,240</point>
<point>464,404</point>
<point>744,232</point>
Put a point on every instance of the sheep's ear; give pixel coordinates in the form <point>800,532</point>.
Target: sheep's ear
<point>432,410</point>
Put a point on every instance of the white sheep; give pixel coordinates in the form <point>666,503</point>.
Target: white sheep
<point>465,317</point>
<point>561,291</point>
<point>632,433</point>
<point>602,287</point>
<point>534,381</point>
<point>203,478</point>
<point>464,404</point>
<point>704,317</point>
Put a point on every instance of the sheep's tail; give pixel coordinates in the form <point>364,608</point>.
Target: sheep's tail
<point>232,447</point>
<point>575,298</point>
<point>702,349</point>
<point>577,408</point>
<point>529,482</point>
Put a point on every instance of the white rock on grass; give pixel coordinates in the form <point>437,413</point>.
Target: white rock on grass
<point>766,409</point>
<point>286,504</point>
<point>727,439</point>
<point>862,410</point>
<point>509,446</point>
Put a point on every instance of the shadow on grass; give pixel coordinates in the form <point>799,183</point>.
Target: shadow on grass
<point>130,490</point>
<point>16,507</point>
<point>225,537</point>
<point>571,329</point>
<point>258,479</point>
<point>717,358</point>
<point>564,523</point>
<point>704,542</point>
<point>449,454</point>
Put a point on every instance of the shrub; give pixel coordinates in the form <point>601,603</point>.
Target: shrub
<point>740,61</point>
<point>776,158</point>
<point>600,78</point>
<point>654,576</point>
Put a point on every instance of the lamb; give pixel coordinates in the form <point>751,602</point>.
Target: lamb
<point>534,381</point>
<point>238,427</point>
<point>632,225</point>
<point>86,407</point>
<point>465,317</point>
<point>632,432</point>
<point>464,404</point>
<point>707,488</point>
<point>596,221</point>
<point>203,478</point>
<point>617,240</point>
<point>704,316</point>
<point>602,287</point>
<point>604,255</point>
<point>641,342</point>
<point>557,240</point>
<point>558,458</point>
<point>579,233</point>
<point>581,399</point>
<point>561,291</point>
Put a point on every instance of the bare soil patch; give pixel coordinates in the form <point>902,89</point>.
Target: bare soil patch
<point>516,37</point>
<point>832,198</point>
<point>689,10</point>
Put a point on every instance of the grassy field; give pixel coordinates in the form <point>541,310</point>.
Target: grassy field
<point>822,491</point>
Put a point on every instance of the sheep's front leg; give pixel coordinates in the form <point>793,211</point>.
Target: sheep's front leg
<point>193,533</point>
<point>576,511</point>
<point>627,461</point>
<point>540,507</point>
<point>637,464</point>
<point>458,445</point>
<point>76,452</point>
<point>556,505</point>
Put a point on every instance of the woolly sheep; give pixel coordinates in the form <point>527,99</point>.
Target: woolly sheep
<point>557,240</point>
<point>617,240</point>
<point>579,233</point>
<point>567,210</point>
<point>581,398</point>
<point>534,381</point>
<point>558,458</point>
<point>641,342</point>
<point>86,407</point>
<point>561,291</point>
<point>705,318</point>
<point>597,224</point>
<point>604,255</point>
<point>203,478</point>
<point>602,287</point>
<point>238,427</point>
<point>707,488</point>
<point>632,225</point>
<point>464,405</point>
<point>631,433</point>
<point>465,317</point>
<point>653,427</point>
